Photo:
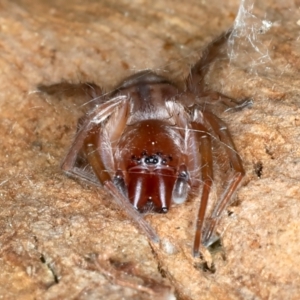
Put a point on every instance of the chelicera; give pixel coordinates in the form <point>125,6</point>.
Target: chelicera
<point>149,143</point>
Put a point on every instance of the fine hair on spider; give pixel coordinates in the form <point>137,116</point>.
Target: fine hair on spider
<point>149,143</point>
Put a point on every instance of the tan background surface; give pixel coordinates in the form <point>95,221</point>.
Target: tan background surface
<point>62,239</point>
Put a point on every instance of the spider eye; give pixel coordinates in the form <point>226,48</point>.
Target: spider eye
<point>151,160</point>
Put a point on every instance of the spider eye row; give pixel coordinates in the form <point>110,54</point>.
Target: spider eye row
<point>155,159</point>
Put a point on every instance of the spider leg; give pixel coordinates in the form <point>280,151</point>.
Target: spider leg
<point>88,140</point>
<point>86,124</point>
<point>131,212</point>
<point>210,98</point>
<point>85,91</point>
<point>204,138</point>
<point>195,81</point>
<point>220,129</point>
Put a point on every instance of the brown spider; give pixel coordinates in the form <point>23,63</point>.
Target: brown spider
<point>150,142</point>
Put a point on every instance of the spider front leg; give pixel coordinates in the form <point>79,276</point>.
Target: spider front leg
<point>220,129</point>
<point>89,140</point>
<point>96,117</point>
<point>205,150</point>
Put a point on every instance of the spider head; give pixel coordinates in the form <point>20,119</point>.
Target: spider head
<point>151,160</point>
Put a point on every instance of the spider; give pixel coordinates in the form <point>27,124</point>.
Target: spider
<point>149,143</point>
